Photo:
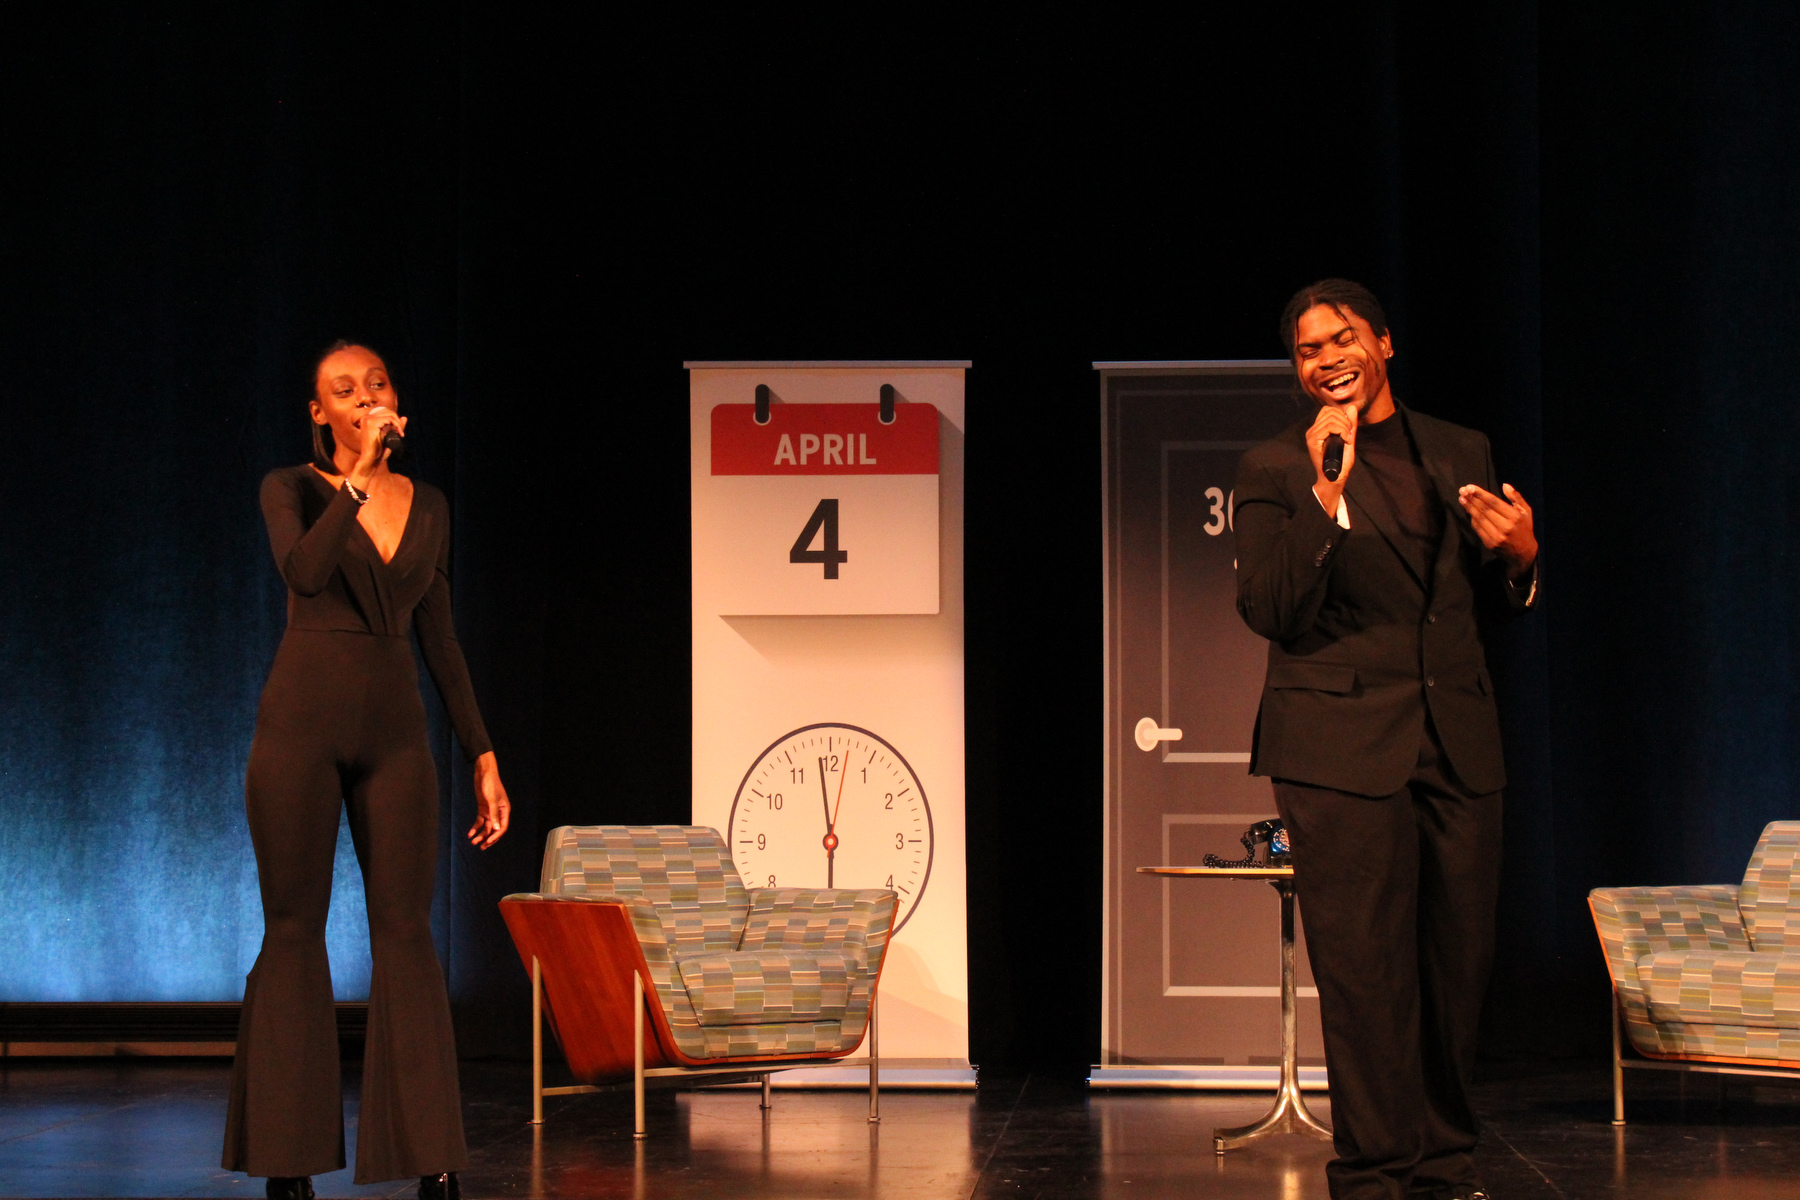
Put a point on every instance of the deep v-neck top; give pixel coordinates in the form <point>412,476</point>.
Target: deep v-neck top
<point>338,583</point>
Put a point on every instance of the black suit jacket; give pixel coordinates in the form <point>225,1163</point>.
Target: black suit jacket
<point>1359,646</point>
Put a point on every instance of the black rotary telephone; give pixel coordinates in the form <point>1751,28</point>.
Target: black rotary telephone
<point>1271,832</point>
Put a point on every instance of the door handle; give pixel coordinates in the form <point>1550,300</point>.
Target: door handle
<point>1148,733</point>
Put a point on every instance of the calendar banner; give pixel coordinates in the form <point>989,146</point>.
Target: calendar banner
<point>828,660</point>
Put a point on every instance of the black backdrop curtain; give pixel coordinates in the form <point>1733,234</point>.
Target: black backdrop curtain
<point>1585,230</point>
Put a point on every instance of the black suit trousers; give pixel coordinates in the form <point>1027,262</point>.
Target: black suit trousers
<point>1398,894</point>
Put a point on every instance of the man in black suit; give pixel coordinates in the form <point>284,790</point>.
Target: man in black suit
<point>1378,726</point>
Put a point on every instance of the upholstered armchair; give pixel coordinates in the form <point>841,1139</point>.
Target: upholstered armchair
<point>655,964</point>
<point>1707,978</point>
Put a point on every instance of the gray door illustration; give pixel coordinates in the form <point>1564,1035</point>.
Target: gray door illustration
<point>1192,965</point>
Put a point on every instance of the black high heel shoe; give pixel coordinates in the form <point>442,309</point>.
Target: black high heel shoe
<point>440,1187</point>
<point>289,1187</point>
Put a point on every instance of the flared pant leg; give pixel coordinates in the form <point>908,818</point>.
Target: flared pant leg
<point>342,721</point>
<point>411,1122</point>
<point>286,1113</point>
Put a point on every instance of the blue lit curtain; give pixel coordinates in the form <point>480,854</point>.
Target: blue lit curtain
<point>199,225</point>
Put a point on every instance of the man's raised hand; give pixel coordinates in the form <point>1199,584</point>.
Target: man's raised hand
<point>1504,526</point>
<point>1341,420</point>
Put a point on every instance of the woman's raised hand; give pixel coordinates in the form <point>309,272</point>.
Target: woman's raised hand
<point>375,422</point>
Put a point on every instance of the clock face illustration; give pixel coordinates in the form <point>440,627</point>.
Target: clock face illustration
<point>832,805</point>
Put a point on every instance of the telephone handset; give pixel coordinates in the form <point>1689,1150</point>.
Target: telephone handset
<point>1270,832</point>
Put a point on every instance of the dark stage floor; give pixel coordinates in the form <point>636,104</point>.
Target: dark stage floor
<point>144,1128</point>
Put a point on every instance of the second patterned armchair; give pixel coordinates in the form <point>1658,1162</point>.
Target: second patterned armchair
<point>656,961</point>
<point>1708,977</point>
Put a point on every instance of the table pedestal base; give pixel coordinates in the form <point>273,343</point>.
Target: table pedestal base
<point>1289,1115</point>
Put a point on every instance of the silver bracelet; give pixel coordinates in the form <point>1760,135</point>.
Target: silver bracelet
<point>356,494</point>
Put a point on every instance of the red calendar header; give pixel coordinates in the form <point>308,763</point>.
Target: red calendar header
<point>824,439</point>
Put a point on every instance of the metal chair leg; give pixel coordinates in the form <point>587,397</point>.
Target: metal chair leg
<point>1618,1066</point>
<point>537,1042</point>
<point>637,1055</point>
<point>874,1062</point>
<point>765,1101</point>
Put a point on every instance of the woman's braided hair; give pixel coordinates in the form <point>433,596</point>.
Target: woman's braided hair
<point>324,445</point>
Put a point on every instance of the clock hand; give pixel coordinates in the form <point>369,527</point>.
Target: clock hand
<point>840,796</point>
<point>831,840</point>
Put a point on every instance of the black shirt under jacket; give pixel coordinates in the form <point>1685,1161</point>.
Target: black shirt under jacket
<point>1386,452</point>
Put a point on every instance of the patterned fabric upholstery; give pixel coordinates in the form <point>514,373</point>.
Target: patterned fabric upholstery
<point>1772,920</point>
<point>685,870</point>
<point>774,971</point>
<point>733,1041</point>
<point>1780,1046</point>
<point>1760,990</point>
<point>768,987</point>
<point>815,917</point>
<point>856,922</point>
<point>1704,972</point>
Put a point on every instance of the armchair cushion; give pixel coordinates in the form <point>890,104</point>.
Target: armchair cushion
<point>768,987</point>
<point>1747,989</point>
<point>1639,921</point>
<point>1644,920</point>
<point>854,920</point>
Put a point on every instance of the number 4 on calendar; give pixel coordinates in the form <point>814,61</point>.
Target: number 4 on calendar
<point>823,524</point>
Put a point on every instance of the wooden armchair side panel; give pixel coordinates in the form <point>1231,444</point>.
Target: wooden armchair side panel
<point>588,953</point>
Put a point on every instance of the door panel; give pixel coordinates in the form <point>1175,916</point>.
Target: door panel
<point>1193,965</point>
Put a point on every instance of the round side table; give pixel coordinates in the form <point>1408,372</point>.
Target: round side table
<point>1290,1114</point>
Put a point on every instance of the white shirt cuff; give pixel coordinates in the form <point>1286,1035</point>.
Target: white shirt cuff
<point>1531,596</point>
<point>1343,510</point>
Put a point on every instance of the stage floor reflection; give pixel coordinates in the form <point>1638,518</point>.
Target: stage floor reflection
<point>147,1128</point>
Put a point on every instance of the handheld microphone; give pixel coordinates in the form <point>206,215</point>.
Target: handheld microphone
<point>395,442</point>
<point>1334,457</point>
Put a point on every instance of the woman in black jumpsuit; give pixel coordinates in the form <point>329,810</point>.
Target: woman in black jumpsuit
<point>365,554</point>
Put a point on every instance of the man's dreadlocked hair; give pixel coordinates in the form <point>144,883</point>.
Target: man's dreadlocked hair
<point>1338,294</point>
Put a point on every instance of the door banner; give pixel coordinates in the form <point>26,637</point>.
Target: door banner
<point>1192,995</point>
